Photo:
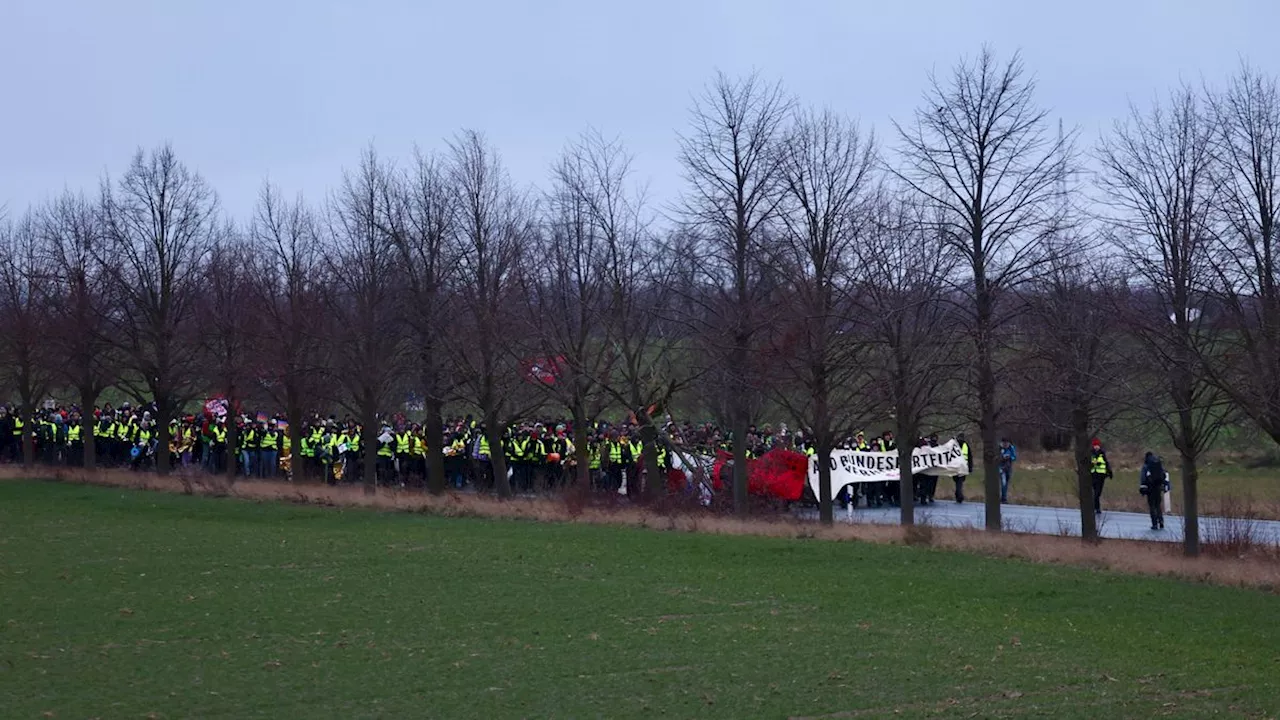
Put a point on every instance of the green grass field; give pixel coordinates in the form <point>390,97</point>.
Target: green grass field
<point>124,604</point>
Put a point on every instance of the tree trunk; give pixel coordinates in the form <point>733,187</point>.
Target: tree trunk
<point>986,387</point>
<point>164,405</point>
<point>28,440</point>
<point>369,446</point>
<point>1188,448</point>
<point>582,478</point>
<point>655,485</point>
<point>298,467</point>
<point>740,423</point>
<point>88,397</point>
<point>233,440</point>
<point>1190,504</point>
<point>1190,511</point>
<point>823,435</point>
<point>906,434</point>
<point>990,445</point>
<point>1084,474</point>
<point>826,504</point>
<point>434,422</point>
<point>497,456</point>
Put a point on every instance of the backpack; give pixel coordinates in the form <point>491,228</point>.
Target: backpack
<point>1157,478</point>
<point>1156,470</point>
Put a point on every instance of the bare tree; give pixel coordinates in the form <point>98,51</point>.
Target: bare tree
<point>25,361</point>
<point>1158,182</point>
<point>422,221</point>
<point>492,231</point>
<point>1077,345</point>
<point>73,230</point>
<point>290,290</point>
<point>913,325</point>
<point>160,221</point>
<point>828,179</point>
<point>734,174</point>
<point>567,293</point>
<point>981,151</point>
<point>1246,147</point>
<point>228,338</point>
<point>648,350</point>
<point>368,347</point>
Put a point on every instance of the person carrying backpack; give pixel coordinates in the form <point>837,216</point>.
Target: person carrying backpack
<point>1153,482</point>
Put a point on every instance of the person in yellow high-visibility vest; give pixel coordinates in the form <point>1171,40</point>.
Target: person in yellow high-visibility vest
<point>617,453</point>
<point>594,445</point>
<point>968,460</point>
<point>403,455</point>
<point>385,465</point>
<point>268,437</point>
<point>75,442</point>
<point>418,449</point>
<point>1100,470</point>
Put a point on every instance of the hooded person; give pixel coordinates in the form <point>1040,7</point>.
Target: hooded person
<point>1153,482</point>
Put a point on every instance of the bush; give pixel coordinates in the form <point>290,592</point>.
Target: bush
<point>1233,530</point>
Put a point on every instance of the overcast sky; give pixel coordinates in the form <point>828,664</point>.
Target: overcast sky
<point>293,90</point>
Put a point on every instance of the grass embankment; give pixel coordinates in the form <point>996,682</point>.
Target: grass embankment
<point>120,603</point>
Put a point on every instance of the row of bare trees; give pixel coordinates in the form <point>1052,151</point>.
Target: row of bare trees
<point>979,264</point>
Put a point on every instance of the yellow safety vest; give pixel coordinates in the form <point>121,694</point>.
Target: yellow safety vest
<point>1099,464</point>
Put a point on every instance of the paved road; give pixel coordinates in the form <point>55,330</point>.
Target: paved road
<point>1053,521</point>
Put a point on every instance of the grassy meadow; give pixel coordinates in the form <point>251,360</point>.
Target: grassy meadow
<point>121,603</point>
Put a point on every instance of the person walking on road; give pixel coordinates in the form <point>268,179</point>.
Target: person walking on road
<point>1100,468</point>
<point>1153,482</point>
<point>1008,456</point>
<point>968,460</point>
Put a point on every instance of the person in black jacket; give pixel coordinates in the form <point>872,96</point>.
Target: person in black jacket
<point>1153,482</point>
<point>7,442</point>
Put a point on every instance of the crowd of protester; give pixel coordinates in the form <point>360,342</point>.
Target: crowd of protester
<point>539,455</point>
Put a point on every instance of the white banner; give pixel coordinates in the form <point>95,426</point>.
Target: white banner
<point>850,466</point>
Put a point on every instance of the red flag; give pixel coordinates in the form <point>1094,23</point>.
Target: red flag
<point>543,370</point>
<point>778,474</point>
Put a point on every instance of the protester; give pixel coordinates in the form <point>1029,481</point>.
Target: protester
<point>1100,469</point>
<point>540,453</point>
<point>1008,456</point>
<point>1153,482</point>
<point>968,459</point>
